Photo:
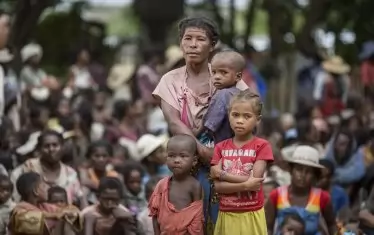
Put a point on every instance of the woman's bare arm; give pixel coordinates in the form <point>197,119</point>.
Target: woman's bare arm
<point>172,117</point>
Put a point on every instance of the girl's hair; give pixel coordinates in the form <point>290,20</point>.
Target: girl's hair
<point>98,144</point>
<point>49,133</point>
<point>202,23</point>
<point>27,183</point>
<point>56,189</point>
<point>293,216</point>
<point>304,127</point>
<point>248,95</point>
<point>110,183</point>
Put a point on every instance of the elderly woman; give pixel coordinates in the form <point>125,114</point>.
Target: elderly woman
<point>185,92</point>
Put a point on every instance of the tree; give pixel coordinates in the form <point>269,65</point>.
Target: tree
<point>157,17</point>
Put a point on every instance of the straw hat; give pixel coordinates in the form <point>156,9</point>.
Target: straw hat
<point>306,155</point>
<point>149,143</point>
<point>31,50</point>
<point>336,65</point>
<point>5,56</point>
<point>173,55</point>
<point>120,74</point>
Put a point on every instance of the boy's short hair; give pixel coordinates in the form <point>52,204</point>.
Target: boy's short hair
<point>110,183</point>
<point>27,183</point>
<point>233,57</point>
<point>56,189</point>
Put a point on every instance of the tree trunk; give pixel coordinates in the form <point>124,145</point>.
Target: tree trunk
<point>231,29</point>
<point>27,13</point>
<point>275,26</point>
<point>249,19</point>
<point>317,12</point>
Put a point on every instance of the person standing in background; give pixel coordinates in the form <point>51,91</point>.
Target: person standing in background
<point>4,35</point>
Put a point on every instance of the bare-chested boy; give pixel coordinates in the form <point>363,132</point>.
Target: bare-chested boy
<point>176,204</point>
<point>101,218</point>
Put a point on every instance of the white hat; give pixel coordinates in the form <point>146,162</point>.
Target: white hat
<point>40,93</point>
<point>31,50</point>
<point>5,56</point>
<point>120,74</point>
<point>306,155</point>
<point>30,144</point>
<point>336,65</point>
<point>149,143</point>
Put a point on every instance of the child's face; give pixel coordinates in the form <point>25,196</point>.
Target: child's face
<point>292,227</point>
<point>243,119</point>
<point>41,190</point>
<point>224,74</point>
<point>109,199</point>
<point>5,191</point>
<point>134,182</point>
<point>179,159</point>
<point>59,199</point>
<point>100,99</point>
<point>341,146</point>
<point>100,158</point>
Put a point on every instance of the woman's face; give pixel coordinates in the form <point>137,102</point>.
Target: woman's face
<point>302,176</point>
<point>64,108</point>
<point>137,110</point>
<point>196,45</point>
<point>51,149</point>
<point>341,146</point>
<point>100,158</point>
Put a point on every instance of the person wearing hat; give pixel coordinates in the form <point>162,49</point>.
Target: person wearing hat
<point>300,196</point>
<point>331,85</point>
<point>31,74</point>
<point>152,155</point>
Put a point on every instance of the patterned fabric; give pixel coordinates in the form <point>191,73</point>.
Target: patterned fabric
<point>310,213</point>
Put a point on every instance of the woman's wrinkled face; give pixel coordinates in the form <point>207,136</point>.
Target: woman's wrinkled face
<point>196,45</point>
<point>51,148</point>
<point>341,146</point>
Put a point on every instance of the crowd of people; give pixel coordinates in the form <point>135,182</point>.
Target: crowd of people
<point>183,147</point>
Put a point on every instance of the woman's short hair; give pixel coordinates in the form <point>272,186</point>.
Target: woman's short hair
<point>202,23</point>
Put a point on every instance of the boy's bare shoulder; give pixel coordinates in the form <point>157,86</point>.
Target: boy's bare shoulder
<point>196,188</point>
<point>90,212</point>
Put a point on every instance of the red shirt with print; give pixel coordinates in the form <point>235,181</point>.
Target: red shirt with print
<point>239,161</point>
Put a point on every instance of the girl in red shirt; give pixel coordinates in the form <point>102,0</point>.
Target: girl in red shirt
<point>238,168</point>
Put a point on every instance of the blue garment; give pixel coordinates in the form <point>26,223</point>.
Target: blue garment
<point>352,171</point>
<point>210,209</point>
<point>310,214</point>
<point>339,198</point>
<point>212,212</point>
<point>216,119</point>
<point>162,171</point>
<point>260,81</point>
